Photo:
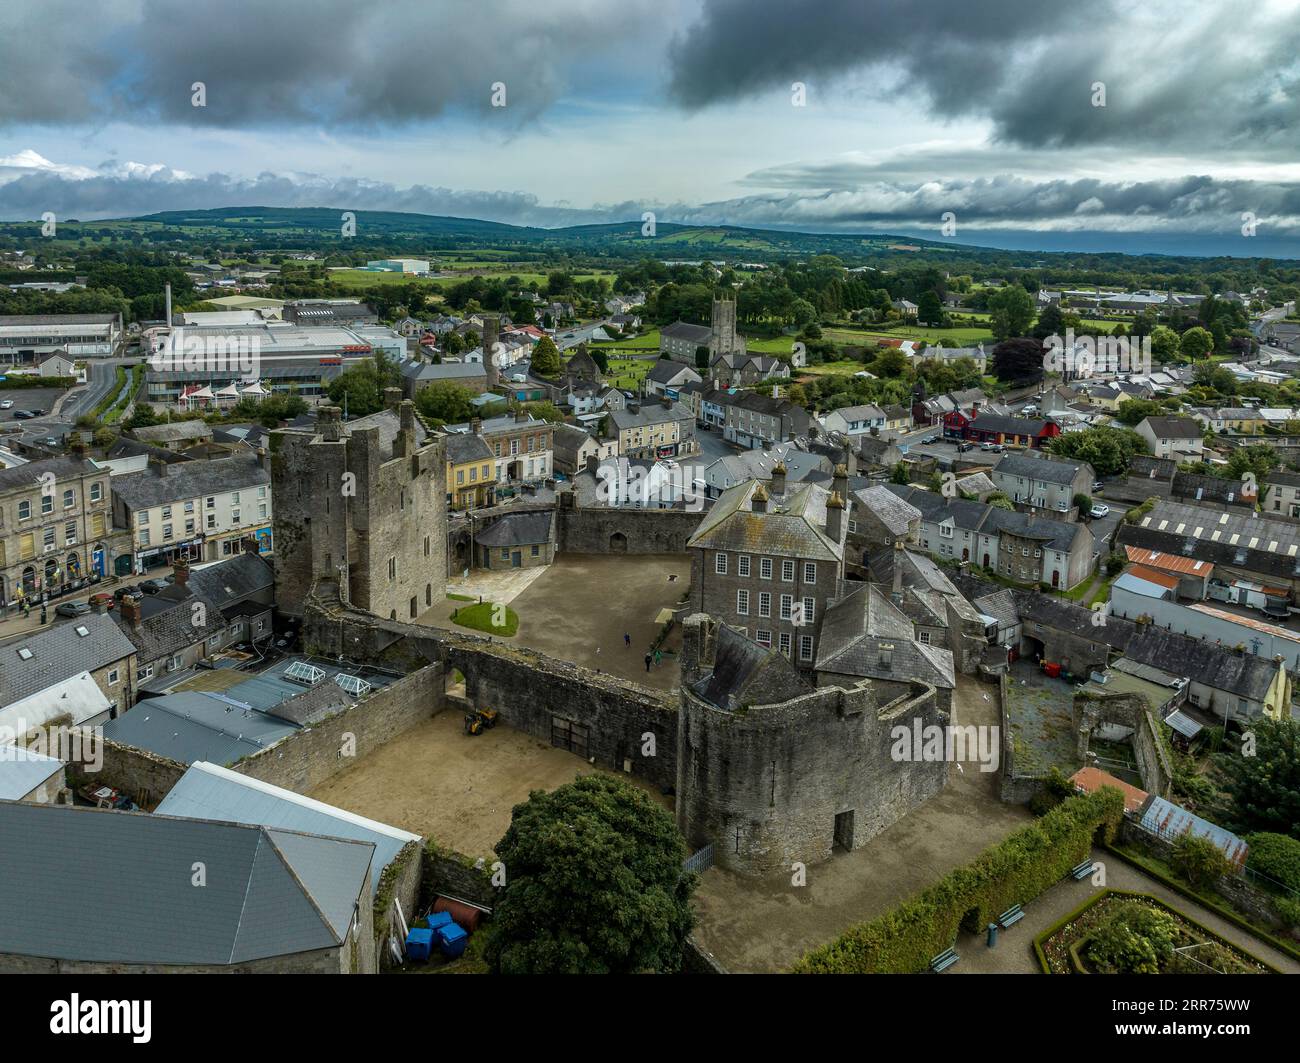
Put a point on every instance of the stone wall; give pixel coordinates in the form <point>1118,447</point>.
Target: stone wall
<point>532,691</point>
<point>606,530</point>
<point>399,883</point>
<point>309,757</point>
<point>146,777</point>
<point>445,872</point>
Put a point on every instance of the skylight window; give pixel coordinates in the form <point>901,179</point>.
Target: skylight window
<point>24,653</point>
<point>82,630</point>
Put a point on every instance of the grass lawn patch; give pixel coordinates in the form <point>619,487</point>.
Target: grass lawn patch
<point>462,597</point>
<point>492,617</point>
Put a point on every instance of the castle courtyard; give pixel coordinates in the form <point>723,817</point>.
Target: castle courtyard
<point>579,608</point>
<point>453,788</point>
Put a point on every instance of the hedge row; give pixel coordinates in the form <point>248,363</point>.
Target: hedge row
<point>1015,871</point>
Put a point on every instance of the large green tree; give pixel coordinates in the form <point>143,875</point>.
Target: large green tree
<point>1196,343</point>
<point>362,385</point>
<point>1106,449</point>
<point>594,884</point>
<point>1261,777</point>
<point>1011,312</point>
<point>446,402</point>
<point>1018,361</point>
<point>546,358</point>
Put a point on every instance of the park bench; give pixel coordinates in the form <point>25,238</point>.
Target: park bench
<point>1081,871</point>
<point>943,961</point>
<point>1010,917</point>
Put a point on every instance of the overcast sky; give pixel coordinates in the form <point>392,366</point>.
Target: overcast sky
<point>910,109</point>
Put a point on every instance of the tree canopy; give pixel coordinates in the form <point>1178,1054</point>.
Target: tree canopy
<point>594,884</point>
<point>1108,450</point>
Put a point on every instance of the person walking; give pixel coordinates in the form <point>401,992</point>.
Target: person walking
<point>627,639</point>
<point>659,658</point>
<point>648,660</point>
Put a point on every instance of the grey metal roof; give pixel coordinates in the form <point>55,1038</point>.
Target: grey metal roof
<point>198,725</point>
<point>58,653</point>
<point>209,791</point>
<point>267,892</point>
<point>28,476</point>
<point>190,479</point>
<point>21,771</point>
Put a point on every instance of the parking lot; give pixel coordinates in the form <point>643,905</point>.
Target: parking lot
<point>28,399</point>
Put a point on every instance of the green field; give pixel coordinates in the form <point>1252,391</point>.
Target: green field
<point>967,336</point>
<point>648,341</point>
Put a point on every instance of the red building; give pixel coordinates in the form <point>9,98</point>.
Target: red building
<point>1010,431</point>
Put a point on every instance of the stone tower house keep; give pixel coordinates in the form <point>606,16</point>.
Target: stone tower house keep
<point>364,510</point>
<point>772,770</point>
<point>724,338</point>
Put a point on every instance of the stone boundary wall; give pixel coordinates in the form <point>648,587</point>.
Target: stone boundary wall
<point>644,531</point>
<point>309,757</point>
<point>449,873</point>
<point>530,690</point>
<point>399,883</point>
<point>304,759</point>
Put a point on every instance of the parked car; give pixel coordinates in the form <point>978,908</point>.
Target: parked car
<point>73,609</point>
<point>122,592</point>
<point>963,447</point>
<point>930,439</point>
<point>7,404</point>
<point>36,412</point>
<point>153,586</point>
<point>102,598</point>
<point>23,415</point>
<point>1097,485</point>
<point>1098,510</point>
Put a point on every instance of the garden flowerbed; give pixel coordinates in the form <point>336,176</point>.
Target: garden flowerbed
<point>1118,931</point>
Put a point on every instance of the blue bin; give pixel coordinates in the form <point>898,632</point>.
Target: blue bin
<point>419,944</point>
<point>452,940</point>
<point>439,919</point>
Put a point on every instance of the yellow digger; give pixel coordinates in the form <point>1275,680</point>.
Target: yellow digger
<point>480,720</point>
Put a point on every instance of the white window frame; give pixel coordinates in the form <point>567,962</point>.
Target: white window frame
<point>742,566</point>
<point>787,566</point>
<point>764,568</point>
<point>805,647</point>
<point>810,571</point>
<point>764,603</point>
<point>720,564</point>
<point>742,602</point>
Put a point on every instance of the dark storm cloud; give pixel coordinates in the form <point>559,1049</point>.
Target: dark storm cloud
<point>303,61</point>
<point>1198,73</point>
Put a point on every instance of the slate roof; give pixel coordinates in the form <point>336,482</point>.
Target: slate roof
<point>1047,470</point>
<point>444,371</point>
<point>1144,465</point>
<point>684,330</point>
<point>793,526</point>
<point>211,792</point>
<point>1237,538</point>
<point>170,630</point>
<point>799,464</point>
<point>1004,425</point>
<point>895,513</point>
<point>741,666</point>
<point>665,371</point>
<point>174,430</point>
<point>517,529</point>
<point>1174,427</point>
<point>268,892</point>
<point>1217,489</point>
<point>974,516</point>
<point>465,447</point>
<point>190,479</point>
<point>232,579</point>
<point>650,413</point>
<point>857,626</point>
<point>58,653</point>
<point>28,476</point>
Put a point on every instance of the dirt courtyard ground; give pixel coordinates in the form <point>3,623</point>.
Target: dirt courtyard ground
<point>579,608</point>
<point>766,924</point>
<point>458,790</point>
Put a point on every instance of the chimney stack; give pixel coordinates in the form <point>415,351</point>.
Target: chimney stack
<point>840,482</point>
<point>100,607</point>
<point>162,467</point>
<point>130,608</point>
<point>77,444</point>
<point>181,570</point>
<point>167,300</point>
<point>758,502</point>
<point>778,477</point>
<point>264,458</point>
<point>392,397</point>
<point>835,516</point>
<point>897,593</point>
<point>475,426</point>
<point>491,326</point>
